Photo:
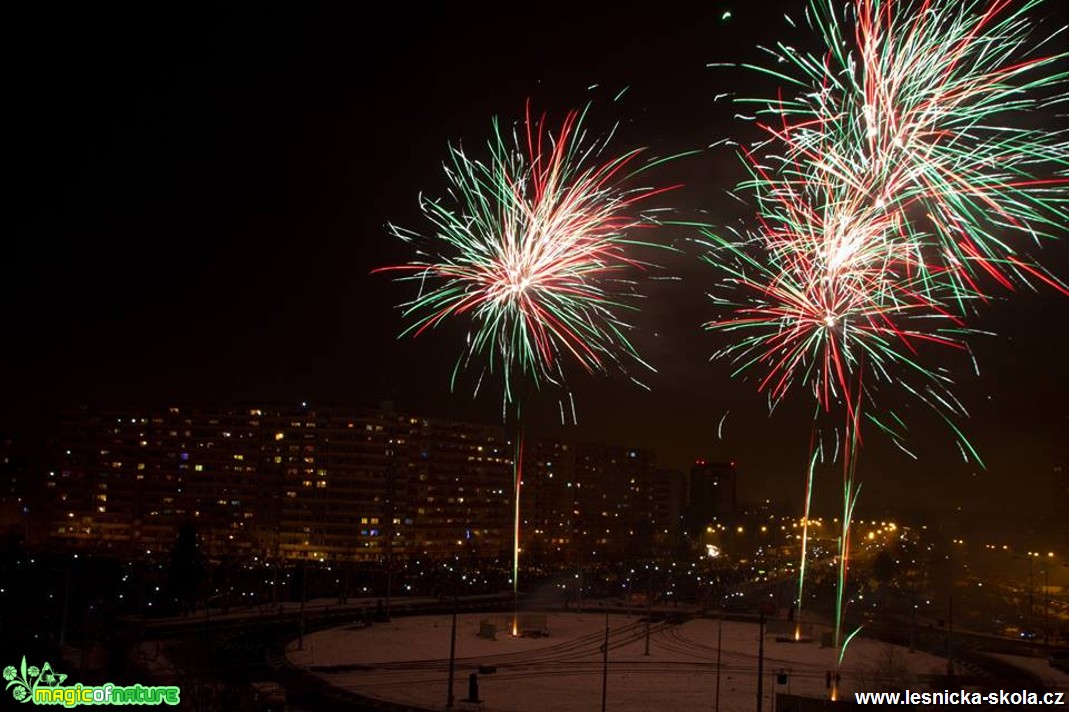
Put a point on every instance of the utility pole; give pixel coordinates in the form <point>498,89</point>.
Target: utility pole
<point>579,583</point>
<point>85,637</point>
<point>452,654</point>
<point>304,595</point>
<point>1046,605</point>
<point>950,638</point>
<point>66,604</point>
<point>391,508</point>
<point>605,664</point>
<point>649,607</point>
<point>761,661</point>
<point>719,642</point>
<point>1028,617</point>
<point>912,617</point>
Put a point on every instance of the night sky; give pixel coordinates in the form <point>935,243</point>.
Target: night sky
<point>200,197</point>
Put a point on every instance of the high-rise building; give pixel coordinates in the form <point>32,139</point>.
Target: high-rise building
<point>21,511</point>
<point>615,498</point>
<point>280,483</point>
<point>711,494</point>
<point>454,490</point>
<point>594,500</point>
<point>669,493</point>
<point>548,500</point>
<point>342,485</point>
<point>1060,500</point>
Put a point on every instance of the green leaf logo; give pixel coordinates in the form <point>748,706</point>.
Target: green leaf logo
<point>24,680</point>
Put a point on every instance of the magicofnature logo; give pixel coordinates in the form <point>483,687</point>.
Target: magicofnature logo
<point>27,679</point>
<point>44,686</point>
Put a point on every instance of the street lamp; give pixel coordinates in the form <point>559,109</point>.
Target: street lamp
<point>1032,556</point>
<point>1046,599</point>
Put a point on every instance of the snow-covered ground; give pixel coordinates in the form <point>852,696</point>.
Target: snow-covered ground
<point>407,660</point>
<point>1040,667</point>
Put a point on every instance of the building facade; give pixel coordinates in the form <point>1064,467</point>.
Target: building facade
<point>354,484</point>
<point>711,495</point>
<point>589,500</point>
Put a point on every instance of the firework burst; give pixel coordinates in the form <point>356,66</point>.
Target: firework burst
<point>532,247</point>
<point>893,183</point>
<point>930,109</point>
<point>823,290</point>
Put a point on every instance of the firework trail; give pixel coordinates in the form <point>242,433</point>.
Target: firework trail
<point>888,187</point>
<point>532,249</point>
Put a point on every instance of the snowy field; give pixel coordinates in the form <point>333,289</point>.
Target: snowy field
<point>1053,678</point>
<point>407,660</point>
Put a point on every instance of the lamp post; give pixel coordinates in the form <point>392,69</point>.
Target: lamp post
<point>1046,599</point>
<point>391,508</point>
<point>1046,605</point>
<point>605,664</point>
<point>761,661</point>
<point>1028,614</point>
<point>649,607</point>
<point>719,641</point>
<point>304,595</point>
<point>452,655</point>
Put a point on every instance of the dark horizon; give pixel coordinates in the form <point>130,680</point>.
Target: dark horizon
<point>203,197</point>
